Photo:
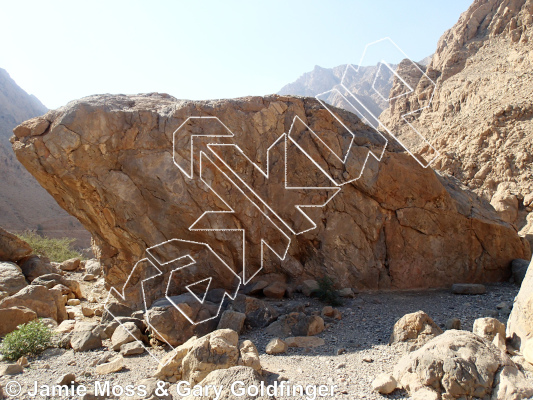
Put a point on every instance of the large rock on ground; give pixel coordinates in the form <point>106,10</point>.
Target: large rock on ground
<point>11,279</point>
<point>226,378</point>
<point>196,358</point>
<point>520,322</point>
<point>460,364</point>
<point>35,266</point>
<point>296,324</point>
<point>46,303</point>
<point>108,160</point>
<point>415,329</point>
<point>168,324</point>
<point>12,317</point>
<point>51,280</point>
<point>12,248</point>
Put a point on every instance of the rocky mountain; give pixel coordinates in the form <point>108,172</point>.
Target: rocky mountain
<point>480,119</point>
<point>110,161</point>
<point>24,204</point>
<point>369,83</point>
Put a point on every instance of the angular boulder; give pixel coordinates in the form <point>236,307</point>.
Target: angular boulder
<point>460,364</point>
<point>168,324</point>
<point>35,266</point>
<point>11,279</point>
<point>46,303</point>
<point>12,248</point>
<point>108,160</point>
<point>296,324</point>
<point>415,329</point>
<point>12,317</point>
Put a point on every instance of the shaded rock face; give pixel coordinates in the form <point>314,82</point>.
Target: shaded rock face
<point>480,116</point>
<point>520,323</point>
<point>108,160</point>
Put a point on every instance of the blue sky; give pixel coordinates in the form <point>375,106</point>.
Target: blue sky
<point>63,50</point>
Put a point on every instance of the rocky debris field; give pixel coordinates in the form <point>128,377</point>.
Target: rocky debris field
<point>354,352</point>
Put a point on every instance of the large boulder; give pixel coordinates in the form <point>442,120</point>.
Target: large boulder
<point>168,324</point>
<point>11,279</point>
<point>195,359</point>
<point>51,280</point>
<point>12,248</point>
<point>245,377</point>
<point>46,303</point>
<point>35,266</point>
<point>460,364</point>
<point>520,322</point>
<point>415,329</point>
<point>12,317</point>
<point>296,324</point>
<point>259,314</point>
<point>108,160</point>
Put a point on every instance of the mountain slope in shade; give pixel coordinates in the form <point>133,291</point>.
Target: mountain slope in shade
<point>481,117</point>
<point>24,204</point>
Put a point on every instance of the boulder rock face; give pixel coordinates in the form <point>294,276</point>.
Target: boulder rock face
<point>46,303</point>
<point>480,115</point>
<point>108,160</point>
<point>12,317</point>
<point>12,248</point>
<point>415,329</point>
<point>11,279</point>
<point>459,364</point>
<point>520,323</point>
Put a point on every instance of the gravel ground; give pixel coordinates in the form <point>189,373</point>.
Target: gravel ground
<point>361,336</point>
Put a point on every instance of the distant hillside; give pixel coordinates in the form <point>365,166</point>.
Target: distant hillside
<point>24,204</point>
<point>359,81</point>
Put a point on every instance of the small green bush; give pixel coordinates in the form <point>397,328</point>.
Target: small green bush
<point>29,339</point>
<point>326,292</point>
<point>57,250</point>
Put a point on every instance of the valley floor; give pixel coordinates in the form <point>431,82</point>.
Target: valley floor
<point>356,349</point>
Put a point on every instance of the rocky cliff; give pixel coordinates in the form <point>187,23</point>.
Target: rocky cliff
<point>128,168</point>
<point>24,204</point>
<point>480,119</point>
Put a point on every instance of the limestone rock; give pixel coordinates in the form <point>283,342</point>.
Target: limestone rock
<point>66,326</point>
<point>258,313</point>
<point>70,265</point>
<point>115,365</point>
<point>10,369</point>
<point>14,316</point>
<point>11,279</point>
<point>226,378</point>
<point>441,364</point>
<point>217,350</point>
<point>35,266</point>
<point>131,349</point>
<point>488,328</point>
<point>232,320</point>
<point>296,324</point>
<point>125,333</point>
<point>249,356</point>
<point>347,293</point>
<point>45,303</point>
<point>453,323</point>
<point>84,337</point>
<point>93,267</point>
<point>415,329</point>
<point>12,248</point>
<point>276,346</point>
<point>510,384</point>
<point>468,288</point>
<point>309,286</point>
<point>527,350</point>
<point>477,108</point>
<point>384,384</point>
<point>258,287</point>
<point>169,325</point>
<point>275,290</point>
<point>520,322</point>
<point>50,280</point>
<point>66,379</point>
<point>392,207</point>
